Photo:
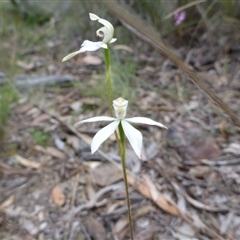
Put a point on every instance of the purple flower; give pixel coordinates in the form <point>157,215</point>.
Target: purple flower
<point>179,17</point>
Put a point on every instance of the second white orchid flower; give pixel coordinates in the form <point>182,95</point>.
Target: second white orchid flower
<point>133,135</point>
<point>106,32</point>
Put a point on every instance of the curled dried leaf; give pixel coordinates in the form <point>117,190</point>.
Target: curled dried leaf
<point>58,196</point>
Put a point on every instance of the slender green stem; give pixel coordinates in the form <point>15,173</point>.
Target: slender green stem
<point>108,79</point>
<point>121,143</point>
<point>123,157</point>
<point>109,88</point>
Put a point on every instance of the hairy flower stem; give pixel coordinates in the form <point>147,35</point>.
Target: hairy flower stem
<point>123,157</point>
<point>108,79</point>
<point>109,88</point>
<point>121,143</point>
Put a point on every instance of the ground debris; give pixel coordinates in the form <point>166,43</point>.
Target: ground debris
<point>186,186</point>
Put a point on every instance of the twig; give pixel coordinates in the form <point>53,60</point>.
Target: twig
<point>40,80</point>
<point>196,203</point>
<point>74,193</point>
<point>92,203</point>
<point>85,232</point>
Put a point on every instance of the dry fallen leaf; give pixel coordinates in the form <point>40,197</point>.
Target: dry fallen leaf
<point>74,142</point>
<point>159,199</point>
<point>184,232</point>
<point>7,202</point>
<point>25,108</point>
<point>192,142</point>
<point>51,151</point>
<point>27,163</point>
<point>199,171</point>
<point>91,101</point>
<point>76,106</point>
<point>106,174</point>
<point>58,196</point>
<point>123,47</point>
<point>24,65</point>
<point>90,60</point>
<point>95,229</point>
<point>121,224</point>
<point>91,193</point>
<point>153,190</point>
<point>233,148</point>
<point>40,118</point>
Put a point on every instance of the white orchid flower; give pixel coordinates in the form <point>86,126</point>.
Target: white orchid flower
<point>105,32</point>
<point>133,135</point>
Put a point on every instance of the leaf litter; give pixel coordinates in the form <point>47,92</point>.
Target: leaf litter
<point>187,186</point>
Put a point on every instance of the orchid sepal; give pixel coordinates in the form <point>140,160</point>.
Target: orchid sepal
<point>144,120</point>
<point>103,134</point>
<point>134,137</point>
<point>96,119</point>
<point>70,56</point>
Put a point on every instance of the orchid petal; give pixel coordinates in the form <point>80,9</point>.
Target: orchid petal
<point>86,46</point>
<point>70,56</point>
<point>91,46</point>
<point>113,40</point>
<point>103,134</point>
<point>96,119</point>
<point>93,17</point>
<point>134,137</point>
<point>144,120</point>
<point>107,30</point>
